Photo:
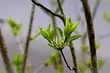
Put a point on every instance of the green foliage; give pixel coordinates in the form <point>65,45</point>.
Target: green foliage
<point>60,32</point>
<point>16,27</point>
<point>44,33</point>
<point>84,48</point>
<point>63,38</point>
<point>59,69</point>
<point>97,45</point>
<point>51,60</point>
<point>106,16</point>
<point>74,37</point>
<point>100,63</point>
<point>89,64</point>
<point>48,34</point>
<point>70,27</point>
<point>54,58</point>
<point>82,68</point>
<point>17,62</point>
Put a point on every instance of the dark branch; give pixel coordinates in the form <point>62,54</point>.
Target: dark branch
<point>91,34</point>
<point>48,10</point>
<point>71,68</point>
<point>4,53</point>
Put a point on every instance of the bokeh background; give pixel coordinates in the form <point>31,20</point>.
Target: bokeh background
<point>39,50</point>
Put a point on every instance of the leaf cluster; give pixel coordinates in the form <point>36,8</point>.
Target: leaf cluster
<point>59,38</point>
<point>16,27</point>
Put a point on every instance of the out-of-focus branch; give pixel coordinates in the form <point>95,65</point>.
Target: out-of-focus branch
<point>26,50</point>
<point>97,3</point>
<point>4,53</point>
<point>60,7</point>
<point>91,35</point>
<point>72,49</point>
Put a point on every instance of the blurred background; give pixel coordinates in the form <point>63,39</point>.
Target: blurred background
<point>39,50</point>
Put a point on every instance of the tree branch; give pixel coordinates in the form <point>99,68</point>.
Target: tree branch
<point>48,10</point>
<point>71,68</point>
<point>26,50</point>
<point>71,46</point>
<point>91,35</point>
<point>4,53</point>
<point>72,49</point>
<point>60,7</point>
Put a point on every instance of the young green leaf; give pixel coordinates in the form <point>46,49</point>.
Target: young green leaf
<point>67,22</point>
<point>11,23</point>
<point>74,26</point>
<point>51,45</point>
<point>60,32</point>
<point>44,33</point>
<point>16,28</point>
<point>52,34</point>
<point>70,21</point>
<point>18,59</point>
<point>73,38</point>
<point>67,28</point>
<point>48,29</point>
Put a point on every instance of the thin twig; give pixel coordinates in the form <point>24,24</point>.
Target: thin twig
<point>60,7</point>
<point>91,35</point>
<point>97,3</point>
<point>72,49</point>
<point>71,68</point>
<point>58,62</point>
<point>20,47</point>
<point>48,10</point>
<point>4,53</point>
<point>57,9</point>
<point>26,50</point>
